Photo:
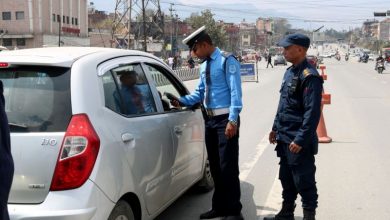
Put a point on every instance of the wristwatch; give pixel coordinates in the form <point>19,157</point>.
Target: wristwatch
<point>233,122</point>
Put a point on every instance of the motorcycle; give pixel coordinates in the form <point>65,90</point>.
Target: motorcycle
<point>338,57</point>
<point>364,59</point>
<point>380,66</point>
<point>346,57</point>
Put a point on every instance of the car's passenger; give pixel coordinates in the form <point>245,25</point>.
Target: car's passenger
<point>130,96</point>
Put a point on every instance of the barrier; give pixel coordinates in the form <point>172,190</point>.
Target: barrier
<point>326,100</point>
<point>187,74</point>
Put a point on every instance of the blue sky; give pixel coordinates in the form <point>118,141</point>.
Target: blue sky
<point>308,14</point>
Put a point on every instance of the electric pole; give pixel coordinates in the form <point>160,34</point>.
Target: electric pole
<point>144,24</point>
<point>129,25</point>
<point>171,10</point>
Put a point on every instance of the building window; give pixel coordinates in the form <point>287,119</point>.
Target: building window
<point>7,42</point>
<point>54,17</point>
<point>67,19</point>
<point>76,22</point>
<point>19,15</point>
<point>20,42</point>
<point>63,19</point>
<point>7,15</point>
<point>245,36</point>
<point>58,18</point>
<point>72,20</point>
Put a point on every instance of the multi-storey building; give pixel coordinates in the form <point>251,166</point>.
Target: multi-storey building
<point>384,30</point>
<point>38,23</point>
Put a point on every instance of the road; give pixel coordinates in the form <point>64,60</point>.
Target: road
<point>352,172</point>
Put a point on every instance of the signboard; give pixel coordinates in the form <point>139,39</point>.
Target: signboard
<point>249,72</point>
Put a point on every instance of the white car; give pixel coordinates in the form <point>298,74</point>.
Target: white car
<point>93,137</point>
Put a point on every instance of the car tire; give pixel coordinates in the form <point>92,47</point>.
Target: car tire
<point>122,211</point>
<point>206,184</point>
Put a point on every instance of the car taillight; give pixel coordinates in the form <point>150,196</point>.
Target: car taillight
<point>3,65</point>
<point>77,156</point>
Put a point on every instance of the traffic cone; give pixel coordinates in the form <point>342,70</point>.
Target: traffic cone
<point>321,130</point>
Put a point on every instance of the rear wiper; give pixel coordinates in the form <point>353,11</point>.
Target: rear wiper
<point>17,125</point>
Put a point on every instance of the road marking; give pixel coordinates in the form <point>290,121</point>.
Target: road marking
<point>274,200</point>
<point>247,167</point>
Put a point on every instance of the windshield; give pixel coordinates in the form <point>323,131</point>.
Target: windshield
<point>37,99</point>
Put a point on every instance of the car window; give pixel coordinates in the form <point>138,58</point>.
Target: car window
<point>37,99</point>
<point>165,84</point>
<point>127,92</point>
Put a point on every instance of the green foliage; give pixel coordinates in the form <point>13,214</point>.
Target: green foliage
<point>216,31</point>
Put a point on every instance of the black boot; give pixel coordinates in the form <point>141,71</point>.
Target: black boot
<point>309,214</point>
<point>286,213</point>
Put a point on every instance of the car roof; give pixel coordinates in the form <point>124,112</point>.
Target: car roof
<point>59,56</point>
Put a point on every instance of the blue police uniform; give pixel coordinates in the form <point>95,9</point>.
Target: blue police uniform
<point>6,161</point>
<point>296,121</point>
<point>224,101</point>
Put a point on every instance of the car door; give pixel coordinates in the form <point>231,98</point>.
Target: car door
<point>140,130</point>
<point>186,126</point>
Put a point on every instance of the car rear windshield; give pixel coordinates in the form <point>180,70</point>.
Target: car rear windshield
<point>37,99</point>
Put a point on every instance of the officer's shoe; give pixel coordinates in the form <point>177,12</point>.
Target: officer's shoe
<point>234,217</point>
<point>286,213</point>
<point>211,214</point>
<point>309,214</point>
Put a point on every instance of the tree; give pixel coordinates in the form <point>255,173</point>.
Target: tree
<point>216,31</point>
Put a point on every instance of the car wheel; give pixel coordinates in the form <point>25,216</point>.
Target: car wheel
<point>122,211</point>
<point>206,184</point>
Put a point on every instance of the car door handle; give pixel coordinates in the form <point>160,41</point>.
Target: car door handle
<point>178,130</point>
<point>126,137</point>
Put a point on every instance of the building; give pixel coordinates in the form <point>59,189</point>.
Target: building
<point>36,23</point>
<point>233,37</point>
<point>247,35</point>
<point>370,29</point>
<point>384,30</point>
<point>264,25</point>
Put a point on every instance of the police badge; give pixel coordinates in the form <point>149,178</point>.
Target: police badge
<point>232,69</point>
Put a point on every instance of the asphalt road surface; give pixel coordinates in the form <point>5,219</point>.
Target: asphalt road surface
<point>353,172</point>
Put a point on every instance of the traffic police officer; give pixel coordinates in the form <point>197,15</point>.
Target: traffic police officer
<point>6,161</point>
<point>219,90</point>
<point>294,129</point>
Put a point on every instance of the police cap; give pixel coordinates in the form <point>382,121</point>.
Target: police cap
<point>297,39</point>
<point>195,36</point>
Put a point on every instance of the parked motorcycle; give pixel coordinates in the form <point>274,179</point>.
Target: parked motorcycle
<point>380,66</point>
<point>346,57</point>
<point>338,57</point>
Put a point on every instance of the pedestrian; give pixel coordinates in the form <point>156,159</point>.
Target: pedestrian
<point>6,161</point>
<point>170,62</point>
<point>191,63</point>
<point>269,60</point>
<point>294,129</point>
<point>219,90</point>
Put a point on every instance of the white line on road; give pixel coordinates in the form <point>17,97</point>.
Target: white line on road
<point>273,202</point>
<point>247,167</point>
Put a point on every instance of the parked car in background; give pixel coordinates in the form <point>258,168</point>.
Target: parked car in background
<point>313,60</point>
<point>279,59</point>
<point>94,137</point>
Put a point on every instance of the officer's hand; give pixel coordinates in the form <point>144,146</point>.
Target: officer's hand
<point>230,130</point>
<point>272,137</point>
<point>175,103</point>
<point>295,148</point>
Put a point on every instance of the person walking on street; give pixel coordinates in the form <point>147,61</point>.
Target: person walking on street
<point>219,90</point>
<point>294,129</point>
<point>6,161</point>
<point>269,60</point>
